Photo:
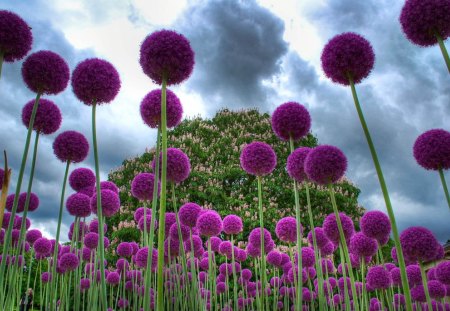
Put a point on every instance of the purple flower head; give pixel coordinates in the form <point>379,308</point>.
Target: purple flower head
<point>189,213</point>
<point>325,164</point>
<point>432,149</point>
<point>42,246</point>
<point>48,116</point>
<point>95,81</point>
<point>436,289</point>
<point>418,243</point>
<point>124,249</point>
<point>110,203</point>
<point>168,55</point>
<point>113,278</point>
<point>376,225</point>
<point>362,245</point>
<point>396,277</point>
<point>45,72</point>
<point>178,165</point>
<point>196,241</point>
<point>286,229</point>
<point>209,223</point>
<point>226,248</point>
<point>170,220</point>
<point>321,238</point>
<point>79,205</point>
<point>32,206</point>
<point>15,36</point>
<point>85,284</point>
<point>232,224</point>
<point>71,146</point>
<point>418,293</point>
<point>327,266</point>
<point>93,226</point>
<point>327,249</point>
<point>347,55</point>
<point>431,274</point>
<point>91,240</point>
<point>421,20</point>
<point>81,178</point>
<point>140,211</point>
<point>142,256</point>
<point>274,258</point>
<point>443,272</point>
<point>296,163</point>
<point>142,186</point>
<point>46,277</point>
<point>146,222</point>
<point>330,227</point>
<point>378,277</point>
<point>151,109</point>
<point>414,275</point>
<point>33,235</point>
<point>174,234</point>
<point>258,158</point>
<point>68,261</point>
<point>308,259</point>
<point>291,120</point>
<point>254,237</point>
<point>122,264</point>
<point>89,191</point>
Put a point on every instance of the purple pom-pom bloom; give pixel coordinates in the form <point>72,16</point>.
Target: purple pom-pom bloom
<point>330,227</point>
<point>188,214</point>
<point>79,205</point>
<point>95,81</point>
<point>274,258</point>
<point>45,72</point>
<point>69,261</point>
<point>432,150</point>
<point>146,222</point>
<point>113,278</point>
<point>140,212</point>
<point>418,243</point>
<point>85,283</point>
<point>142,256</point>
<point>258,158</point>
<point>124,249</point>
<point>321,238</point>
<point>15,36</point>
<point>151,109</point>
<point>71,146</point>
<point>414,275</point>
<point>421,20</point>
<point>232,224</point>
<point>91,240</point>
<point>291,120</point>
<point>110,203</point>
<point>142,186</point>
<point>296,163</point>
<point>178,165</point>
<point>167,55</point>
<point>42,246</point>
<point>32,206</point>
<point>48,116</point>
<point>376,225</point>
<point>33,235</point>
<point>362,245</point>
<point>254,237</point>
<point>209,223</point>
<point>109,185</point>
<point>286,229</point>
<point>436,289</point>
<point>93,226</point>
<point>81,178</point>
<point>325,164</point>
<point>347,55</point>
<point>378,277</point>
<point>443,272</point>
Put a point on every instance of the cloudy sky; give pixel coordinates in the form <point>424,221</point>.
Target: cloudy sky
<point>248,54</point>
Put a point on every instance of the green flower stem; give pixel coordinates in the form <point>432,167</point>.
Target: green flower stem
<point>162,205</point>
<point>425,285</point>
<point>401,260</point>
<point>364,300</point>
<point>264,301</point>
<point>235,293</point>
<point>443,50</point>
<point>444,185</point>
<point>7,241</point>
<point>344,275</point>
<point>196,297</point>
<point>101,233</point>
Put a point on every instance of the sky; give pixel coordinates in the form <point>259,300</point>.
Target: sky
<point>248,54</point>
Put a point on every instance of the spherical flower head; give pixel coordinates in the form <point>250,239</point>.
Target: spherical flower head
<point>79,205</point>
<point>291,120</point>
<point>81,178</point>
<point>170,220</point>
<point>274,258</point>
<point>95,81</point>
<point>443,272</point>
<point>168,55</point>
<point>376,225</point>
<point>258,158</point>
<point>362,245</point>
<point>32,205</point>
<point>42,246</point>
<point>330,227</point>
<point>110,203</point>
<point>327,266</point>
<point>33,235</point>
<point>418,293</point>
<point>146,222</point>
<point>45,72</point>
<point>414,275</point>
<point>15,36</point>
<point>418,243</point>
<point>308,259</point>
<point>140,211</point>
<point>378,277</point>
<point>178,165</point>
<point>209,223</point>
<point>254,237</point>
<point>347,55</point>
<point>188,214</point>
<point>142,256</point>
<point>296,163</point>
<point>69,261</point>
<point>432,149</point>
<point>174,234</point>
<point>321,238</point>
<point>85,283</point>
<point>142,186</point>
<point>46,277</point>
<point>48,116</point>
<point>151,109</point>
<point>327,249</point>
<point>436,289</point>
<point>215,243</point>
<point>124,249</point>
<point>71,146</point>
<point>93,226</point>
<point>325,164</point>
<point>421,20</point>
<point>91,240</point>
<point>232,224</point>
<point>109,185</point>
<point>113,278</point>
<point>286,229</point>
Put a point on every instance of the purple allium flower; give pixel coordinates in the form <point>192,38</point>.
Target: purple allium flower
<point>325,164</point>
<point>215,243</point>
<point>113,278</point>
<point>32,206</point>
<point>15,36</point>
<point>140,211</point>
<point>168,55</point>
<point>151,109</point>
<point>174,234</point>
<point>321,238</point>
<point>142,256</point>
<point>396,277</point>
<point>418,293</point>
<point>91,240</point>
<point>110,203</point>
<point>196,241</point>
<point>378,277</point>
<point>33,235</point>
<point>418,243</point>
<point>46,277</point>
<point>85,283</point>
<point>178,165</point>
<point>328,249</point>
<point>123,303</point>
<point>421,20</point>
<point>347,55</point>
<point>327,266</point>
<point>291,120</point>
<point>122,264</point>
<point>146,222</point>
<point>286,229</point>
<point>209,223</point>
<point>124,249</point>
<point>93,226</point>
<point>81,178</point>
<point>71,146</point>
<point>274,258</point>
<point>42,246</point>
<point>443,272</point>
<point>414,275</point>
<point>431,274</point>
<point>48,116</point>
<point>254,237</point>
<point>376,225</point>
<point>308,259</point>
<point>296,163</point>
<point>109,185</point>
<point>432,149</point>
<point>45,72</point>
<point>95,81</point>
<point>436,289</point>
<point>232,224</point>
<point>362,245</point>
<point>142,186</point>
<point>89,191</point>
<point>79,205</point>
<point>226,248</point>
<point>189,213</point>
<point>330,227</point>
<point>69,262</point>
<point>258,158</point>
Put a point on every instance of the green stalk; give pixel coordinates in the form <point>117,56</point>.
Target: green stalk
<point>401,260</point>
<point>235,293</point>
<point>101,233</point>
<point>443,50</point>
<point>162,206</point>
<point>444,185</point>
<point>264,301</point>
<point>425,285</point>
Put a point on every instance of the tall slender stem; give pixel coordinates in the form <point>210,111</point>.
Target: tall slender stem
<point>401,260</point>
<point>443,50</point>
<point>264,302</point>
<point>425,285</point>
<point>4,187</point>
<point>444,185</point>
